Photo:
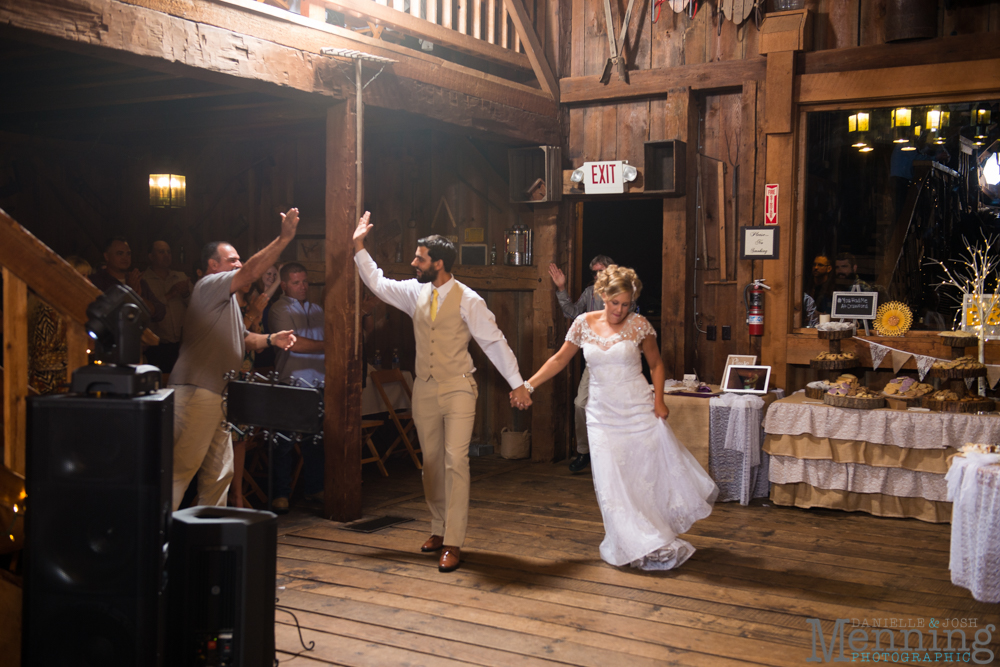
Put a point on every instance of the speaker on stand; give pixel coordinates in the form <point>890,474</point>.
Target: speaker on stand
<point>222,578</point>
<point>99,499</point>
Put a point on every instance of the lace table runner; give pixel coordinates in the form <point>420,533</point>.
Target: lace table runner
<point>797,415</point>
<point>737,464</point>
<point>974,489</point>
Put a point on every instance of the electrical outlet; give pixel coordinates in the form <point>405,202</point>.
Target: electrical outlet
<point>727,332</point>
<point>711,332</point>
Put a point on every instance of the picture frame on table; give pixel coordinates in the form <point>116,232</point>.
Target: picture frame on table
<point>739,360</point>
<point>746,379</point>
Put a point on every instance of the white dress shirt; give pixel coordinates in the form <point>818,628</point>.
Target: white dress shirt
<point>403,294</point>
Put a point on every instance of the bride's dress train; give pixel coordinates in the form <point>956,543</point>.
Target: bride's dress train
<point>649,486</point>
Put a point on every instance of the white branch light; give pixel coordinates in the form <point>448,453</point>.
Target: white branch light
<point>991,170</point>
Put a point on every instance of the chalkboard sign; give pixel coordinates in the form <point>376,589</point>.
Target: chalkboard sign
<point>759,242</point>
<point>854,305</point>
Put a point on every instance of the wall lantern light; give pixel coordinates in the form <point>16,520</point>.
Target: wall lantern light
<point>167,190</point>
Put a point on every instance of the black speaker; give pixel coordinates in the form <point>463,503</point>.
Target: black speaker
<point>98,516</point>
<point>222,579</point>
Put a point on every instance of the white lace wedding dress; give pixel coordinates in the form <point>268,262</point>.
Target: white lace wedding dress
<point>649,486</point>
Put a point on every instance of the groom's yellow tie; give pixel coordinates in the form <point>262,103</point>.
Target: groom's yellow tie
<point>434,306</point>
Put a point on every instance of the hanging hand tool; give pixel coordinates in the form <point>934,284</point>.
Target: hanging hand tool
<point>617,57</point>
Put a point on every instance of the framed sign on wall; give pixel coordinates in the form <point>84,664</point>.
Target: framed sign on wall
<point>759,242</point>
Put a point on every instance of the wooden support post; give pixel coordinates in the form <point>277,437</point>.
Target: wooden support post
<point>342,423</point>
<point>677,313</point>
<point>780,71</point>
<point>544,423</point>
<point>15,370</point>
<point>778,301</point>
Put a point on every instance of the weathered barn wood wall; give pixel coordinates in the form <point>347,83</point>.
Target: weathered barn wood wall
<point>430,182</point>
<point>683,87</point>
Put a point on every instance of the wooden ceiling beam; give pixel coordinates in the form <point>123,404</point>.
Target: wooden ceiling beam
<point>536,54</point>
<point>218,41</point>
<point>417,27</point>
<point>103,99</point>
<point>656,82</point>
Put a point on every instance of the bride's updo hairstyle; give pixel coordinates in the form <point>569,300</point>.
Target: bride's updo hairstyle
<point>617,279</point>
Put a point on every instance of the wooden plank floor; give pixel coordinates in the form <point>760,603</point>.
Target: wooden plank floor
<point>532,589</point>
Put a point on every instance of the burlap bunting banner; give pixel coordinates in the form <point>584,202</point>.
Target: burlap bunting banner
<point>992,375</point>
<point>924,363</point>
<point>898,359</point>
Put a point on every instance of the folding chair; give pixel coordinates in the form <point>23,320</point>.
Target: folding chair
<point>403,419</point>
<point>369,426</point>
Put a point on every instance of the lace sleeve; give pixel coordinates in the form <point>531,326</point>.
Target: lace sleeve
<point>638,329</point>
<point>577,331</point>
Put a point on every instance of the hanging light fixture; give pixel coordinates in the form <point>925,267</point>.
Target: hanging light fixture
<point>981,118</point>
<point>934,119</point>
<point>857,123</point>
<point>167,190</point>
<point>901,119</point>
<point>916,133</point>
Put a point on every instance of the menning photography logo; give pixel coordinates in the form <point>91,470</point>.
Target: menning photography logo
<point>948,640</point>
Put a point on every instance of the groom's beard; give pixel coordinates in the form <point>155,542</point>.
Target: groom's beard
<point>428,276</point>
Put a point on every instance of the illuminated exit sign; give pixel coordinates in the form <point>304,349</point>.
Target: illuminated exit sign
<point>603,178</point>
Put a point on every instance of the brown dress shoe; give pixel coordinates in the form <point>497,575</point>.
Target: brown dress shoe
<point>433,543</point>
<point>450,558</point>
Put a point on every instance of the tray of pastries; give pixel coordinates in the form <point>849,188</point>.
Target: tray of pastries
<point>835,330</point>
<point>948,400</point>
<point>847,393</point>
<point>818,389</point>
<point>833,361</point>
<point>963,367</point>
<point>958,338</point>
<point>907,391</point>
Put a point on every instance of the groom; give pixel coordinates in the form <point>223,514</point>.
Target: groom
<point>446,315</point>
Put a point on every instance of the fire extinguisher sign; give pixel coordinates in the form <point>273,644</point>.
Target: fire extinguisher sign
<point>771,204</point>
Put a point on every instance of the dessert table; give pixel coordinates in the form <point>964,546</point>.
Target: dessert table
<point>884,462</point>
<point>974,489</point>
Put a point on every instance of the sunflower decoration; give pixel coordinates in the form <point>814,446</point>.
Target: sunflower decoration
<point>893,319</point>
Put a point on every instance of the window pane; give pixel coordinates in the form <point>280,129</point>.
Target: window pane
<point>886,189</point>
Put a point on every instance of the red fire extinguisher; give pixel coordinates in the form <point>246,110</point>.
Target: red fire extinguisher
<point>754,303</point>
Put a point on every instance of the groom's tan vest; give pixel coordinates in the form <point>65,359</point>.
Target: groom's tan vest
<point>442,345</point>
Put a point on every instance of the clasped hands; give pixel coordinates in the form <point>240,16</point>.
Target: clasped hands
<point>520,398</point>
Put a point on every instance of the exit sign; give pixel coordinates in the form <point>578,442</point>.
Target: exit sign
<point>603,178</point>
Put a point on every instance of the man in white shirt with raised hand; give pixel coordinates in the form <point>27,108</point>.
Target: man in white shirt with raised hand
<point>446,315</point>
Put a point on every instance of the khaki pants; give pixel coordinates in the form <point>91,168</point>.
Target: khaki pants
<point>580,405</point>
<point>201,446</point>
<point>444,413</point>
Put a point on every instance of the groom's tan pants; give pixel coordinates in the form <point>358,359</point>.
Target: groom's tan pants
<point>444,413</point>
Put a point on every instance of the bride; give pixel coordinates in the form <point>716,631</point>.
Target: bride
<point>649,487</point>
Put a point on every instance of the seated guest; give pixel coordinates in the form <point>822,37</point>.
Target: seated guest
<point>118,260</point>
<point>172,289</point>
<point>304,360</point>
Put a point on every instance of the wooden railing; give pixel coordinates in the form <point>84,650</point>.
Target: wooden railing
<point>27,262</point>
<point>494,30</point>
